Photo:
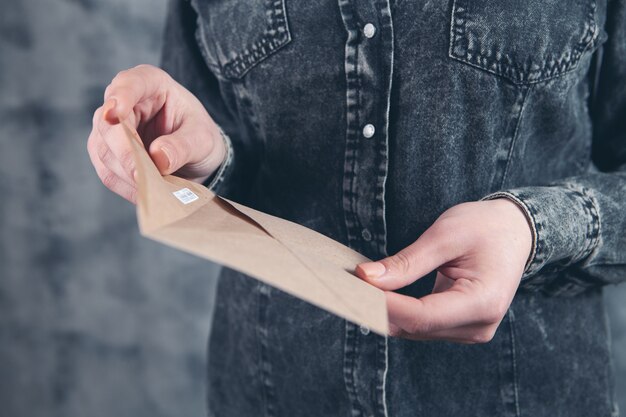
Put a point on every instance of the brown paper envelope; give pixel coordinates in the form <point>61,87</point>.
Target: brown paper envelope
<point>281,253</point>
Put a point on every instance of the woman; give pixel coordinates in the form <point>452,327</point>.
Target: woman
<point>476,149</point>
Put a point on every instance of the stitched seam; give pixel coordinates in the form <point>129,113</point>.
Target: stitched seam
<point>514,362</point>
<point>352,119</point>
<point>348,368</point>
<point>596,225</point>
<point>359,88</point>
<point>348,186</point>
<point>385,372</point>
<point>355,384</point>
<point>520,115</point>
<point>456,31</point>
<point>593,224</point>
<point>514,73</point>
<point>275,36</point>
<point>265,373</point>
<point>204,48</point>
<point>383,246</point>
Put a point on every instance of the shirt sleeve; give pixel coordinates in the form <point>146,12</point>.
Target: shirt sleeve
<point>183,59</point>
<point>579,223</point>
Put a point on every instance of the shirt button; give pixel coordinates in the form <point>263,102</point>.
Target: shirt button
<point>367,236</point>
<point>369,30</point>
<point>364,330</point>
<point>368,130</point>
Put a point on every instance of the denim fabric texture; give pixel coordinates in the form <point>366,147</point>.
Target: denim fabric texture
<point>367,137</point>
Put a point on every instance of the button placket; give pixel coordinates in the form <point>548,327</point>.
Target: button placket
<point>368,66</point>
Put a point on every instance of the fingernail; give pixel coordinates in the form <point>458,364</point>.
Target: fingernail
<point>166,162</point>
<point>109,105</point>
<point>372,270</point>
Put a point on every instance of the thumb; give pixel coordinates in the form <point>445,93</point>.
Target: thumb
<point>110,111</point>
<point>169,153</point>
<point>411,263</point>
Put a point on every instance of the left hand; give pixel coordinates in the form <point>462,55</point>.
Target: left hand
<point>479,250</point>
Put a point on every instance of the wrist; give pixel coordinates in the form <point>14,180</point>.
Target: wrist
<point>522,222</point>
<point>217,176</point>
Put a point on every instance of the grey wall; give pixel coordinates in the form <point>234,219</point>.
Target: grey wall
<point>94,320</point>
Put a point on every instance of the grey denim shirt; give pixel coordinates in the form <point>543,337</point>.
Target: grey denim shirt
<point>365,120</point>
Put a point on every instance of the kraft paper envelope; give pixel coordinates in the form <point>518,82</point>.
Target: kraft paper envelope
<point>283,254</point>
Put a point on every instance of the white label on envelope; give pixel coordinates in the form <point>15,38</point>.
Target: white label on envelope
<point>185,195</point>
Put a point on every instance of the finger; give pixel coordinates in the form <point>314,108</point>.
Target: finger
<point>121,153</point>
<point>143,83</point>
<point>190,146</point>
<point>103,153</point>
<point>471,334</point>
<point>433,249</point>
<point>113,163</point>
<point>425,317</point>
<point>170,152</point>
<point>113,182</point>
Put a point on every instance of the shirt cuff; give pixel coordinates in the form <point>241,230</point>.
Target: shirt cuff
<point>214,182</point>
<point>564,222</point>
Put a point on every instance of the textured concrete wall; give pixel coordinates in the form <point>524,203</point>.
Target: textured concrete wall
<point>94,320</point>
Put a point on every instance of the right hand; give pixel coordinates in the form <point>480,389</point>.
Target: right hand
<point>180,136</point>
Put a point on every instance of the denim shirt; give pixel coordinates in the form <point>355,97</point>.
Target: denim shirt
<point>365,120</point>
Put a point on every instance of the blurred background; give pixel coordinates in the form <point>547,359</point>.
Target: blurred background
<point>95,320</point>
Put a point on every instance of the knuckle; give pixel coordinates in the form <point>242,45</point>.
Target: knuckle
<point>104,153</point>
<point>151,70</point>
<point>119,79</point>
<point>401,262</point>
<point>132,195</point>
<point>127,160</point>
<point>448,234</point>
<point>146,67</point>
<point>494,308</point>
<point>108,178</point>
<point>97,116</point>
<point>490,314</point>
<point>113,88</point>
<point>483,336</point>
<point>92,146</point>
<point>416,327</point>
<point>501,307</point>
<point>120,76</point>
<point>444,224</point>
<point>421,327</point>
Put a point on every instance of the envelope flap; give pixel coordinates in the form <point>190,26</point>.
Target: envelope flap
<point>284,254</point>
<point>330,262</point>
<point>161,200</point>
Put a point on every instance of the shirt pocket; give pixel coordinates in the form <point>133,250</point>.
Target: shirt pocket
<point>523,41</point>
<point>235,35</point>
